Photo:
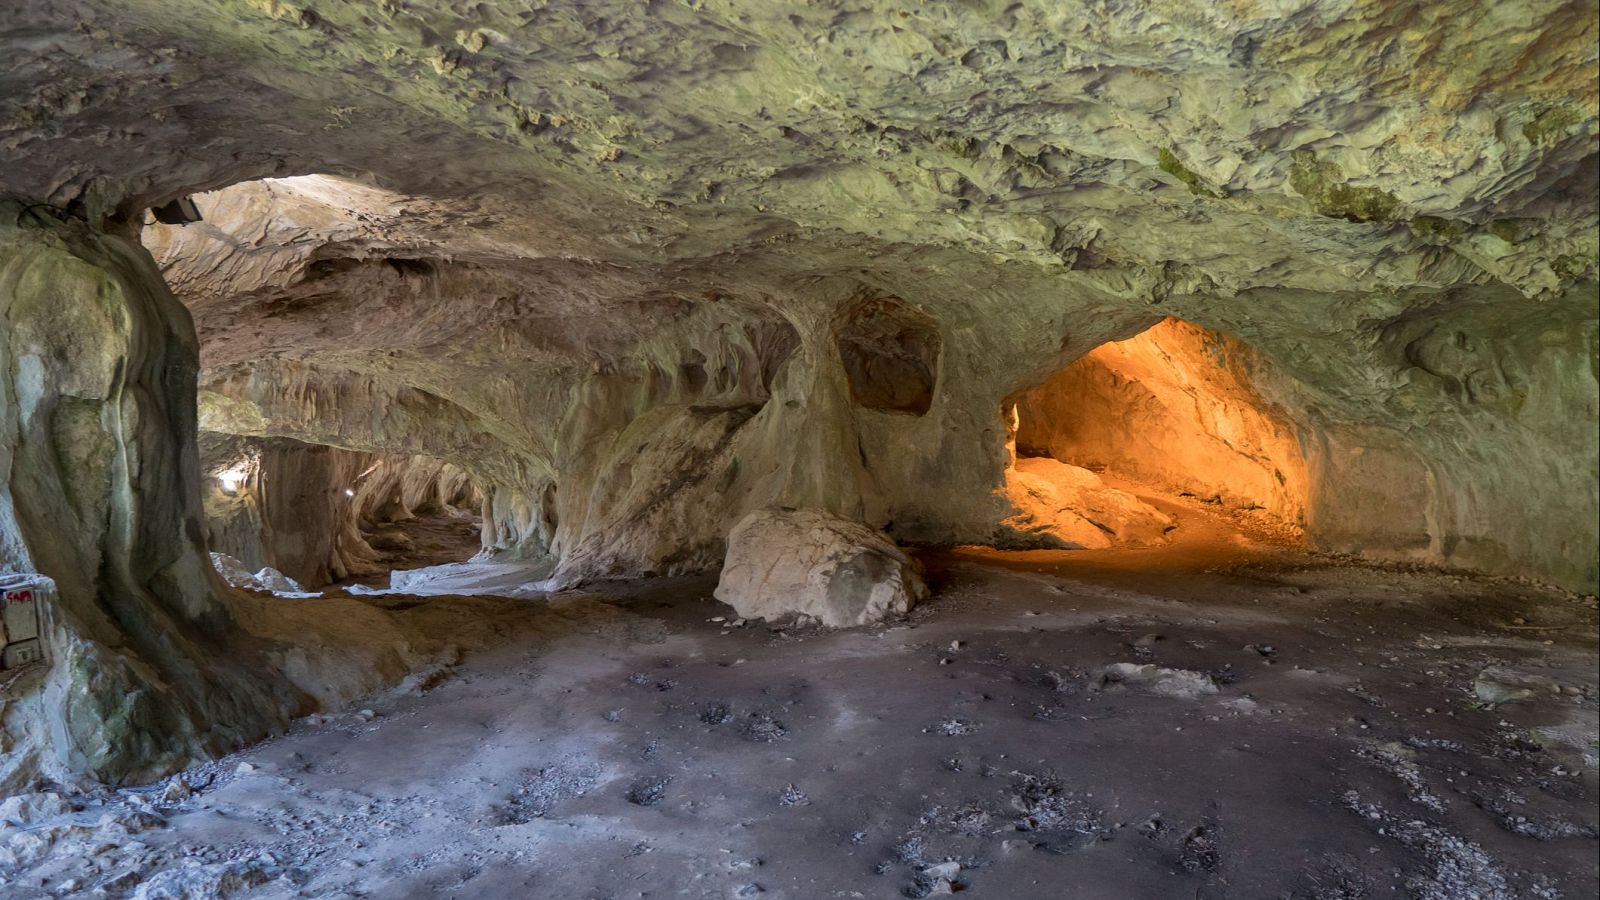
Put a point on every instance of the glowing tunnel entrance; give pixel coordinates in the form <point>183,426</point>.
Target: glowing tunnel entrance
<point>1171,412</point>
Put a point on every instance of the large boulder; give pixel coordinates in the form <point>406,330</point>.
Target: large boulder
<point>782,562</point>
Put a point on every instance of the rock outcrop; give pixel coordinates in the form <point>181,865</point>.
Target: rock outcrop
<point>1068,506</point>
<point>98,490</point>
<point>267,578</point>
<point>803,562</point>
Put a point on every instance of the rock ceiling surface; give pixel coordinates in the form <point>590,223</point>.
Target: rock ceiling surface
<point>1151,146</point>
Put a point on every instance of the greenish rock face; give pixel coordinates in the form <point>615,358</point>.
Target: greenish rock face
<point>1171,165</point>
<point>599,256</point>
<point>609,260</point>
<point>99,463</point>
<point>1322,184</point>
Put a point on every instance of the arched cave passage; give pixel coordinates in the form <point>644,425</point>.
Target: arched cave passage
<point>284,515</point>
<point>645,398</point>
<point>1172,412</point>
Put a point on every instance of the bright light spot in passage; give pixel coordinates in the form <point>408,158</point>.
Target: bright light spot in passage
<point>349,493</point>
<point>232,478</point>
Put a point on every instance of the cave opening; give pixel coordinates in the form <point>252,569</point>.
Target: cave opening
<point>1108,451</point>
<point>292,517</point>
<point>315,262</point>
<point>421,525</point>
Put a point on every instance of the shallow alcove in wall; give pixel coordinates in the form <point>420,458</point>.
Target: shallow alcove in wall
<point>1170,411</point>
<point>891,356</point>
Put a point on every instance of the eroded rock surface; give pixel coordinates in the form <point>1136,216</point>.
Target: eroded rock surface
<point>1070,506</point>
<point>320,514</point>
<point>783,563</point>
<point>1179,407</point>
<point>99,466</point>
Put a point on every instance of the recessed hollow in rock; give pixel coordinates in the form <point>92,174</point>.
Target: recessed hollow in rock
<point>321,514</point>
<point>891,356</point>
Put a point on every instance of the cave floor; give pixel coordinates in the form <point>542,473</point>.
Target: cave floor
<point>1059,724</point>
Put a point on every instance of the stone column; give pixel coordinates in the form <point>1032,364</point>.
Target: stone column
<point>99,489</point>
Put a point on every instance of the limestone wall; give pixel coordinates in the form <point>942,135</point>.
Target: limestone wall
<point>99,492</point>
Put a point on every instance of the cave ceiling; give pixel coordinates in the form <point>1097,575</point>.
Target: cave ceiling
<point>1330,145</point>
<point>485,200</point>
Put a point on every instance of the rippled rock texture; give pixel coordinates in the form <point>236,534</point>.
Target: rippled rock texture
<point>313,512</point>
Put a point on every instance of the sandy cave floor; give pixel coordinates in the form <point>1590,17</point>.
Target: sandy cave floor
<point>1193,722</point>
